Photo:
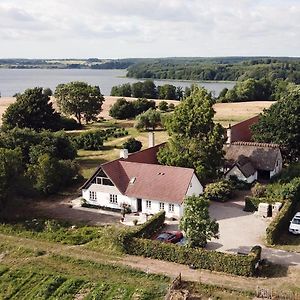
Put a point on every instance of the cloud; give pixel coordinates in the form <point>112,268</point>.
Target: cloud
<point>149,28</point>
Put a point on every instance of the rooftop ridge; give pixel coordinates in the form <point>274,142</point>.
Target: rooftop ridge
<point>256,144</point>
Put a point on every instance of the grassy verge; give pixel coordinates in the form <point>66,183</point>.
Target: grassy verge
<point>94,238</point>
<point>206,291</point>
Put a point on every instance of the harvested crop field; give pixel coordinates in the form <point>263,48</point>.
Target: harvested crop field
<point>225,112</point>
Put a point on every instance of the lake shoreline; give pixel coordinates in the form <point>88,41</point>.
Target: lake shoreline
<point>14,81</point>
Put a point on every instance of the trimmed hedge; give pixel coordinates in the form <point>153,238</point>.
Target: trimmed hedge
<point>134,242</point>
<point>243,265</point>
<point>280,222</point>
<point>145,230</point>
<point>291,192</point>
<point>251,203</point>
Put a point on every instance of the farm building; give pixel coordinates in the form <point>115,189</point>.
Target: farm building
<point>252,161</point>
<point>139,181</point>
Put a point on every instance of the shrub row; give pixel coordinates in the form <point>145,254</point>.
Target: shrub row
<point>280,222</point>
<point>134,242</point>
<point>93,139</point>
<point>243,265</point>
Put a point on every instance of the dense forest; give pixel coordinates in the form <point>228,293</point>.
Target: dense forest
<point>181,68</point>
<point>230,68</point>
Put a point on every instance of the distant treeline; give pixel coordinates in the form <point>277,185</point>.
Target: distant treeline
<point>148,89</point>
<point>91,63</point>
<point>255,90</point>
<point>232,69</point>
<point>247,90</point>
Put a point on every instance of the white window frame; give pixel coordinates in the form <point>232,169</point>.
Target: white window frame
<point>148,204</point>
<point>92,196</point>
<point>161,206</point>
<point>171,207</point>
<point>113,199</point>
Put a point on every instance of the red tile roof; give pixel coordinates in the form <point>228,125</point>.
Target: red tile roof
<point>141,176</point>
<point>157,182</point>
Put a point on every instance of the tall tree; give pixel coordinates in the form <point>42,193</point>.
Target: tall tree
<point>10,170</point>
<point>150,119</point>
<point>196,222</point>
<point>79,99</point>
<point>280,124</point>
<point>32,109</point>
<point>195,140</point>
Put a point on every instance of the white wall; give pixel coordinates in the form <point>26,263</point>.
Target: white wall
<point>195,187</point>
<point>278,166</point>
<point>155,208</point>
<point>103,196</point>
<point>235,171</point>
<point>103,193</point>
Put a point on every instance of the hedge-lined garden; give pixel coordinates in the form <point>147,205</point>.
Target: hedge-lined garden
<point>135,242</point>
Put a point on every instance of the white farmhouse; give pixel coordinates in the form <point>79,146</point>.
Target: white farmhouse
<point>139,181</point>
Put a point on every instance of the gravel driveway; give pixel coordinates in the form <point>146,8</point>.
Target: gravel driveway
<point>238,230</point>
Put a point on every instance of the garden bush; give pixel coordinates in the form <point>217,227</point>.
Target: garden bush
<point>219,191</point>
<point>132,145</point>
<point>258,190</point>
<point>251,203</point>
<point>90,140</point>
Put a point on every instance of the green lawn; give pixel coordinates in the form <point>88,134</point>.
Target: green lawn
<point>90,160</point>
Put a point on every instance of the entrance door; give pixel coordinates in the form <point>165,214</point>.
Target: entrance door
<point>263,175</point>
<point>139,204</point>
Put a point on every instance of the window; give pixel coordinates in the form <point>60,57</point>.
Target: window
<point>93,196</point>
<point>161,206</point>
<point>113,199</point>
<point>103,181</point>
<point>171,207</point>
<point>148,204</point>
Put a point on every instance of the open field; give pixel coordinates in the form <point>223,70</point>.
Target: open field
<point>225,112</point>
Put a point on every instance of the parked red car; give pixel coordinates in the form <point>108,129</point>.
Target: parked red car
<point>169,236</point>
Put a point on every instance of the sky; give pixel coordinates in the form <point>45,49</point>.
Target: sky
<point>148,28</point>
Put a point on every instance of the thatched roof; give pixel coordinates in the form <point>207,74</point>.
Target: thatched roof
<point>260,156</point>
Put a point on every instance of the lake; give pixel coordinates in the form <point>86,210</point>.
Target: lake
<point>17,80</point>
